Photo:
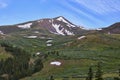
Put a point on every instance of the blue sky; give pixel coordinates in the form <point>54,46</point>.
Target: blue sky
<point>87,13</point>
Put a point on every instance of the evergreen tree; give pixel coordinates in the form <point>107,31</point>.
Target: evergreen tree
<point>51,78</point>
<point>116,78</point>
<point>38,65</point>
<point>99,72</point>
<point>119,72</point>
<point>57,53</point>
<point>90,74</point>
<point>18,65</point>
<point>1,66</point>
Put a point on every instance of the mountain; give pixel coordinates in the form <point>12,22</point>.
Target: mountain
<point>58,25</point>
<point>41,40</point>
<point>113,29</point>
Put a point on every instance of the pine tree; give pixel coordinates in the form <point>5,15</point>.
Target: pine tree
<point>99,72</point>
<point>51,78</point>
<point>38,65</point>
<point>1,66</point>
<point>90,74</point>
<point>119,72</point>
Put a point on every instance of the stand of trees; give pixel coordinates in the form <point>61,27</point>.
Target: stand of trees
<point>18,66</point>
<point>54,53</point>
<point>99,73</point>
<point>51,78</point>
<point>90,74</point>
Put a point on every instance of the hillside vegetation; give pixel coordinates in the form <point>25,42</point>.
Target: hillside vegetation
<point>76,55</point>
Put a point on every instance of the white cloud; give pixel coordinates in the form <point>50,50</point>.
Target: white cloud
<point>101,6</point>
<point>3,5</point>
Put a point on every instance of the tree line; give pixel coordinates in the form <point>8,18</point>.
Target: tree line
<point>99,73</point>
<point>19,65</point>
<point>90,74</point>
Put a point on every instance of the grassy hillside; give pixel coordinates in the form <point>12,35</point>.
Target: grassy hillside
<point>76,55</point>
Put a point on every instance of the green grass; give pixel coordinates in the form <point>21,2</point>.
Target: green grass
<point>4,54</point>
<point>68,68</point>
<point>76,55</point>
<point>78,63</point>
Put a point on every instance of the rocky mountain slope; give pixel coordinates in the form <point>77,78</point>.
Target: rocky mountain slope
<point>113,29</point>
<point>58,25</point>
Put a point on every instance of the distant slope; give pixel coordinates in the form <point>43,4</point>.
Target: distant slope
<point>113,29</point>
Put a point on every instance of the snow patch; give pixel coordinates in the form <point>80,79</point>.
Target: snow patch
<point>108,33</point>
<point>36,31</point>
<point>40,20</point>
<point>56,26</point>
<point>71,25</point>
<point>57,63</point>
<point>61,32</point>
<point>38,53</point>
<point>81,37</point>
<point>82,27</point>
<point>1,33</point>
<point>63,20</point>
<point>49,41</point>
<point>68,32</point>
<point>42,37</point>
<point>25,26</point>
<point>49,44</point>
<point>49,38</point>
<point>31,36</point>
<point>99,29</point>
<point>50,21</point>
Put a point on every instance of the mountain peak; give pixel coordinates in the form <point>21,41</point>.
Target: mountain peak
<point>58,25</point>
<point>60,17</point>
<point>64,20</point>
